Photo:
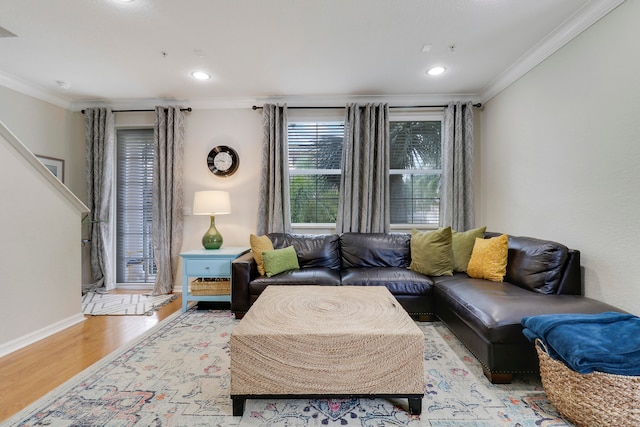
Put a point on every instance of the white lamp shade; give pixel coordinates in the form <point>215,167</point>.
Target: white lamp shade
<point>211,203</point>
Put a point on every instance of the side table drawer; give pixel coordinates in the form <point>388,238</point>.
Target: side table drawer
<point>208,267</point>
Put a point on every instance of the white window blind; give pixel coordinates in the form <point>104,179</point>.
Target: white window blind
<point>415,171</point>
<point>315,153</point>
<point>134,249</point>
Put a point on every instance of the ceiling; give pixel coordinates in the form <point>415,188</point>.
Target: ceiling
<point>77,53</point>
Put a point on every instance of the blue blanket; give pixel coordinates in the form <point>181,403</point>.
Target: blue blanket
<point>606,342</point>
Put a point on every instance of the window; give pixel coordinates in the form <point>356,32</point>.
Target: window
<point>134,248</point>
<point>415,171</point>
<point>315,152</point>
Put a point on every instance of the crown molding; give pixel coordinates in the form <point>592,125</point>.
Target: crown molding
<point>291,101</point>
<point>392,100</point>
<point>129,104</point>
<point>30,89</point>
<point>573,26</point>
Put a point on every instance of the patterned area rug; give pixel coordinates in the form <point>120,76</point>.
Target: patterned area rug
<point>96,304</point>
<point>178,375</point>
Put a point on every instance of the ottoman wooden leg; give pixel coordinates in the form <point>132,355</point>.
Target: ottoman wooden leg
<point>415,405</point>
<point>238,406</point>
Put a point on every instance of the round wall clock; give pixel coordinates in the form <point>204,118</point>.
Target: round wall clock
<point>223,161</point>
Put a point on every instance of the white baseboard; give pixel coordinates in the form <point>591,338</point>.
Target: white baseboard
<point>28,339</point>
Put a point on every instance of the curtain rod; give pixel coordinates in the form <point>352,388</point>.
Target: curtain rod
<point>188,110</point>
<point>255,107</point>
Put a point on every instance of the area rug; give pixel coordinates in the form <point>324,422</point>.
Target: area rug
<point>177,374</point>
<point>97,304</point>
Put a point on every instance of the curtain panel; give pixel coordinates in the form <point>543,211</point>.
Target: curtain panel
<point>363,204</point>
<point>457,168</point>
<point>167,219</point>
<point>274,208</point>
<point>100,157</point>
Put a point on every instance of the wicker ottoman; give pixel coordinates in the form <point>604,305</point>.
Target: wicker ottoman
<point>325,342</point>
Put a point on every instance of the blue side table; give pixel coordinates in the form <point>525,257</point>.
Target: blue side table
<point>207,263</point>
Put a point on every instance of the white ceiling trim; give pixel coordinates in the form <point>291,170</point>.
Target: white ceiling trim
<point>26,88</point>
<point>334,101</point>
<point>570,29</point>
<point>291,101</point>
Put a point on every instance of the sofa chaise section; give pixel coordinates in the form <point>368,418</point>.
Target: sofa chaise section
<point>543,277</point>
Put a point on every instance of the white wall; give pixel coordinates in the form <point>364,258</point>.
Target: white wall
<point>240,129</point>
<point>40,254</point>
<point>560,150</point>
<point>50,131</point>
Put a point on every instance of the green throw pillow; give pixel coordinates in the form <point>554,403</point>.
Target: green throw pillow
<point>462,245</point>
<point>431,252</point>
<point>279,260</point>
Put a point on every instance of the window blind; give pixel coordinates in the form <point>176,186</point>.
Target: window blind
<point>315,153</point>
<point>315,145</point>
<point>415,173</point>
<point>134,248</point>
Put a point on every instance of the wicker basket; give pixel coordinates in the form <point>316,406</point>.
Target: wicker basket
<point>209,286</point>
<point>595,399</point>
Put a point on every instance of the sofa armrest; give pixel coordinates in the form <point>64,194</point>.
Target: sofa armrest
<point>243,270</point>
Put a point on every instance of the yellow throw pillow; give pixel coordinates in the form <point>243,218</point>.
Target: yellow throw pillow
<point>489,258</point>
<point>431,252</point>
<point>260,244</point>
<point>462,245</point>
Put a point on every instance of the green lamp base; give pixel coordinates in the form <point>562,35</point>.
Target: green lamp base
<point>212,239</point>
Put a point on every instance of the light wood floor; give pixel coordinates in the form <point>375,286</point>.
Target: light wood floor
<point>29,373</point>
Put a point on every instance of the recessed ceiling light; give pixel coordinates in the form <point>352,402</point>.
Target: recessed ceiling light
<point>436,71</point>
<point>200,75</point>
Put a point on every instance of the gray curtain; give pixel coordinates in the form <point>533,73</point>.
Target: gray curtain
<point>274,209</point>
<point>363,204</point>
<point>457,168</point>
<point>167,222</point>
<point>100,155</point>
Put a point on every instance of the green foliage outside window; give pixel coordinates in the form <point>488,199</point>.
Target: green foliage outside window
<point>315,151</point>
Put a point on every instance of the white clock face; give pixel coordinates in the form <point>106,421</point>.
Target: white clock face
<point>222,161</point>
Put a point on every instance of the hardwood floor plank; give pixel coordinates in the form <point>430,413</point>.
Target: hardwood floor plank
<point>31,372</point>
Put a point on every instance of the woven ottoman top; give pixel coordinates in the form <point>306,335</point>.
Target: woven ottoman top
<point>326,310</point>
<point>327,340</point>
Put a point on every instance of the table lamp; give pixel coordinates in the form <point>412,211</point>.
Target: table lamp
<point>211,203</point>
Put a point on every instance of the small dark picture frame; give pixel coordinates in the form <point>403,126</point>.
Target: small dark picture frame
<point>56,166</point>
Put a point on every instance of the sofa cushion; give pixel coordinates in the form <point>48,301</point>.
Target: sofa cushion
<point>304,276</point>
<point>399,281</point>
<point>280,260</point>
<point>536,265</point>
<point>462,245</point>
<point>313,250</point>
<point>431,252</point>
<point>260,244</point>
<point>489,258</point>
<point>375,250</point>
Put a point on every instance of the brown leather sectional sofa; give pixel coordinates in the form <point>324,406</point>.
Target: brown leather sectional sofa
<point>542,277</point>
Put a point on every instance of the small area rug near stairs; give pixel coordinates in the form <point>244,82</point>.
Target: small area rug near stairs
<point>96,304</point>
<point>177,374</point>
